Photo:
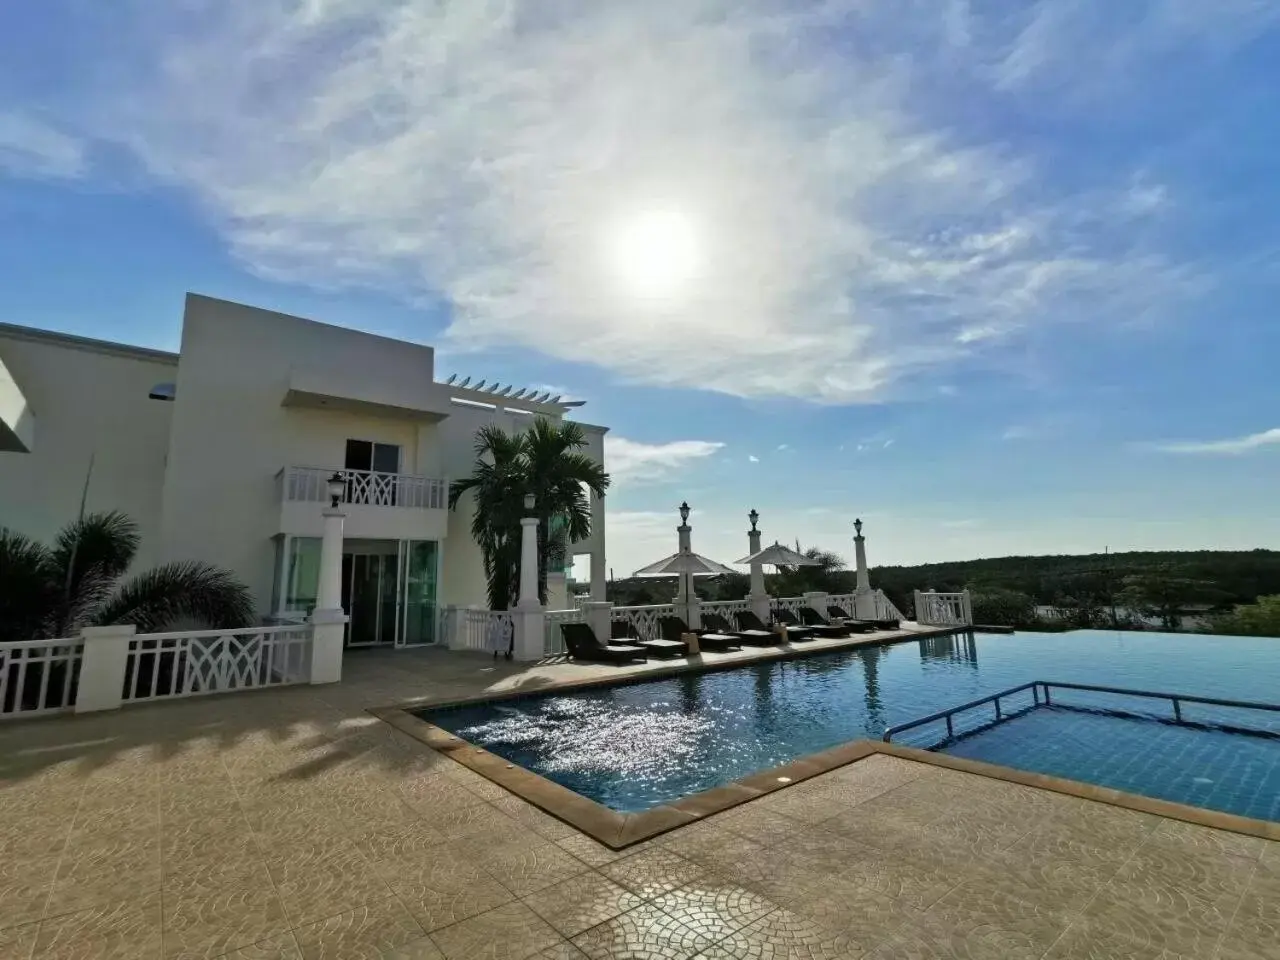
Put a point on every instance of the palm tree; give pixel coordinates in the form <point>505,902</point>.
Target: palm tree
<point>53,592</point>
<point>544,461</point>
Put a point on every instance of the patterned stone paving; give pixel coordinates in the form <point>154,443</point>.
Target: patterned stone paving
<point>293,826</point>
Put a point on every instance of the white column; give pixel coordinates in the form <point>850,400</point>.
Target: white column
<point>684,592</point>
<point>757,569</point>
<point>329,594</point>
<point>918,604</point>
<point>598,615</point>
<point>599,569</point>
<point>529,564</point>
<point>860,555</point>
<point>328,620</point>
<point>102,667</point>
<point>530,628</point>
<point>759,600</point>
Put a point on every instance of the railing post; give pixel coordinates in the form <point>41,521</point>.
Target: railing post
<point>530,626</point>
<point>816,600</point>
<point>966,608</point>
<point>328,628</point>
<point>456,625</point>
<point>598,615</point>
<point>919,608</point>
<point>102,667</point>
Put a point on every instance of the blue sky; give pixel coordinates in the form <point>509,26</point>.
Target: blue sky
<point>997,277</point>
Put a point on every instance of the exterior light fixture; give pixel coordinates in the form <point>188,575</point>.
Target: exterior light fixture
<point>337,486</point>
<point>857,526</point>
<point>684,512</point>
<point>529,502</point>
<point>753,517</point>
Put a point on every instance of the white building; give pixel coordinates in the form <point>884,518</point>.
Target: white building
<point>222,452</point>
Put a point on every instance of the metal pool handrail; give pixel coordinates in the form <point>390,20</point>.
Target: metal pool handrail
<point>1035,686</point>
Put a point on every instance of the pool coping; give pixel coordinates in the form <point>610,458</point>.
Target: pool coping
<point>618,830</point>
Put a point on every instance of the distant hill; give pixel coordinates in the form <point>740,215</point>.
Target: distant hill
<point>1241,575</point>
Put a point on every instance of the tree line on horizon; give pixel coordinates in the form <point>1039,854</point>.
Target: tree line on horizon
<point>1234,591</point>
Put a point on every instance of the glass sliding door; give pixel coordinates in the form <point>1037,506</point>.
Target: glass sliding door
<point>371,593</point>
<point>421,579</point>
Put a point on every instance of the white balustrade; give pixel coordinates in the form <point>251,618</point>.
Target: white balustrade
<point>943,609</point>
<point>725,608</point>
<point>554,641</point>
<point>162,666</point>
<point>794,604</point>
<point>644,619</point>
<point>38,677</point>
<point>480,630</point>
<point>366,487</point>
<point>885,608</point>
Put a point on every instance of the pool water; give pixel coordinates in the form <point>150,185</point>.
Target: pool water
<point>634,746</point>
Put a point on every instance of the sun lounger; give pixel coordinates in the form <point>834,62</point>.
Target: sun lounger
<point>810,620</point>
<point>674,628</point>
<point>747,620</point>
<point>752,638</point>
<point>584,645</point>
<point>864,626</point>
<point>666,647</point>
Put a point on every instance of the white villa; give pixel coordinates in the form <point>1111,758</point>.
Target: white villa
<point>222,452</point>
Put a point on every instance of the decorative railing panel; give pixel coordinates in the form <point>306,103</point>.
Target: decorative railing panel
<point>794,604</point>
<point>726,608</point>
<point>553,643</point>
<point>645,619</point>
<point>38,677</point>
<point>885,608</point>
<point>943,609</point>
<point>366,487</point>
<point>162,666</point>
<point>480,630</point>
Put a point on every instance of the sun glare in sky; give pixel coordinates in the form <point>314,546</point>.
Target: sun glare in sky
<point>656,253</point>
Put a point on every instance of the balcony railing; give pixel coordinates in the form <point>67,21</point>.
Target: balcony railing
<point>367,487</point>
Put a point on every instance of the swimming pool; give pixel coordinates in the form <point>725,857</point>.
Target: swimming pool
<point>634,746</point>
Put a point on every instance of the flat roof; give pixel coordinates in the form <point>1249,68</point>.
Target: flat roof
<point>86,343</point>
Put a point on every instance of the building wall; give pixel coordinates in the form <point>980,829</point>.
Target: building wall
<point>232,434</point>
<point>89,399</point>
<point>200,474</point>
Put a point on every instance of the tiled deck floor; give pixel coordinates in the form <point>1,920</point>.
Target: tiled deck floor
<point>291,825</point>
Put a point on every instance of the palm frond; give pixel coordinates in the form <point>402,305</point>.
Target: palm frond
<point>179,591</point>
<point>29,589</point>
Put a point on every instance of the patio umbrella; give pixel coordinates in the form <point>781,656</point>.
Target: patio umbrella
<point>780,556</point>
<point>684,563</point>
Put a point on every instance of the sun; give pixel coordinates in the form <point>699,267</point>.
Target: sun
<point>656,254</point>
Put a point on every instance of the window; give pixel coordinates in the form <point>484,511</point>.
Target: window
<point>368,455</point>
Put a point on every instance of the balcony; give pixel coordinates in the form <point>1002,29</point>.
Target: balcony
<point>378,506</point>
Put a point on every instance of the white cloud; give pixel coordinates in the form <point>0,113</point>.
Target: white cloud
<point>1236,446</point>
<point>31,148</point>
<point>783,446</point>
<point>753,458</point>
<point>456,150</point>
<point>630,462</point>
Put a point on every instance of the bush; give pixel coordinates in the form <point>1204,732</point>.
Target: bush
<point>1261,619</point>
<point>1003,608</point>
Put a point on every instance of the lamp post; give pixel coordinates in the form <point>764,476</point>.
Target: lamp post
<point>686,546</point>
<point>758,598</point>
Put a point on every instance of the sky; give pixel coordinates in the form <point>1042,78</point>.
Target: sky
<point>997,277</point>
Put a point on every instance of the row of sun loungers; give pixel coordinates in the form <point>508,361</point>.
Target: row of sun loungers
<point>716,634</point>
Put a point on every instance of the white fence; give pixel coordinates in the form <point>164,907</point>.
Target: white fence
<point>366,487</point>
<point>553,643</point>
<point>38,677</point>
<point>794,604</point>
<point>943,609</point>
<point>644,619</point>
<point>162,666</point>
<point>725,608</point>
<point>468,628</point>
<point>884,607</point>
